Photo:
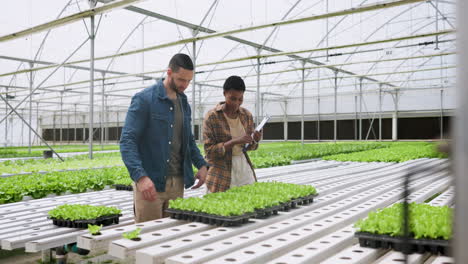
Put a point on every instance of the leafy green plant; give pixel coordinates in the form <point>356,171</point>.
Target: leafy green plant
<point>132,235</point>
<point>82,212</point>
<point>243,199</point>
<point>426,221</point>
<point>94,229</point>
<point>395,152</point>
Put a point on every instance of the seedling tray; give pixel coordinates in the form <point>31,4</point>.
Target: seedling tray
<point>103,220</point>
<point>123,187</point>
<point>238,220</point>
<point>434,246</point>
<point>209,218</point>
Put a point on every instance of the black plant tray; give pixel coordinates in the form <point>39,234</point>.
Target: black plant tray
<point>104,220</point>
<point>209,218</point>
<point>413,245</point>
<point>265,212</point>
<point>238,220</point>
<point>303,200</point>
<point>122,187</point>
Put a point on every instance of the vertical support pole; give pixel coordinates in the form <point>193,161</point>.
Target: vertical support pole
<point>118,126</point>
<point>61,117</point>
<point>68,127</point>
<point>22,128</point>
<point>84,129</point>
<point>326,27</point>
<point>6,120</point>
<point>380,112</point>
<point>318,104</point>
<point>262,102</point>
<point>360,108</point>
<point>200,115</point>
<point>39,121</point>
<point>441,114</point>
<point>75,126</point>
<point>31,65</point>
<point>91,86</point>
<point>257,94</point>
<point>106,121</point>
<point>194,84</point>
<point>437,25</point>
<point>101,117</point>
<point>302,102</point>
<point>355,117</point>
<point>395,118</point>
<point>335,122</point>
<point>285,120</point>
<point>38,125</point>
<point>53,129</point>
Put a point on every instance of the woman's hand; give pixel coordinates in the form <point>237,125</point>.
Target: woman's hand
<point>238,141</point>
<point>257,135</point>
<point>244,139</point>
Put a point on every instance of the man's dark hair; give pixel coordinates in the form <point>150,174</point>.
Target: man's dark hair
<point>234,83</point>
<point>181,60</point>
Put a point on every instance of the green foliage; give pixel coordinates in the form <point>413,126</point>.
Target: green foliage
<point>75,162</point>
<point>82,212</point>
<point>278,154</point>
<point>12,189</point>
<point>36,151</point>
<point>94,229</point>
<point>243,199</point>
<point>426,221</point>
<point>132,234</point>
<point>394,152</point>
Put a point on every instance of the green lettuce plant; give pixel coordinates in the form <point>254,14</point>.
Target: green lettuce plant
<point>82,212</point>
<point>426,221</point>
<point>244,199</point>
<point>94,229</point>
<point>132,235</point>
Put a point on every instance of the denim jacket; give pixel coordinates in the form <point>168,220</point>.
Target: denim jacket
<point>147,134</point>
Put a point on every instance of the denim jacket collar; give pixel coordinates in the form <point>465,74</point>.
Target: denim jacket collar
<point>161,91</point>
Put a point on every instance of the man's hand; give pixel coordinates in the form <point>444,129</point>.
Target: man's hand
<point>201,176</point>
<point>146,186</point>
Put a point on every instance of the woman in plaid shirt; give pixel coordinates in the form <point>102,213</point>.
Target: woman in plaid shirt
<point>226,129</point>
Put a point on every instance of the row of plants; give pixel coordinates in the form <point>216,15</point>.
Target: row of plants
<point>394,152</point>
<point>13,189</point>
<point>429,229</point>
<point>426,221</point>
<point>75,162</point>
<point>36,151</point>
<point>268,155</point>
<point>278,154</point>
<point>82,212</point>
<point>244,199</point>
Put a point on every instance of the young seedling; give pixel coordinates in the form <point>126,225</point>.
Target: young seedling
<point>94,229</point>
<point>133,235</point>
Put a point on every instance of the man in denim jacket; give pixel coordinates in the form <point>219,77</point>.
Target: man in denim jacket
<point>157,143</point>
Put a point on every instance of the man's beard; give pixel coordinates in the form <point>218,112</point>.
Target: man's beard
<point>173,86</point>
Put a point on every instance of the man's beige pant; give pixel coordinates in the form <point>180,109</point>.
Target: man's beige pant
<point>151,210</point>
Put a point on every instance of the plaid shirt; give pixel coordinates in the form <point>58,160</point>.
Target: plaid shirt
<point>216,132</point>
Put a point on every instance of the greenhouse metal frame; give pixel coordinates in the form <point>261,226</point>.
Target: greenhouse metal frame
<point>303,61</point>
